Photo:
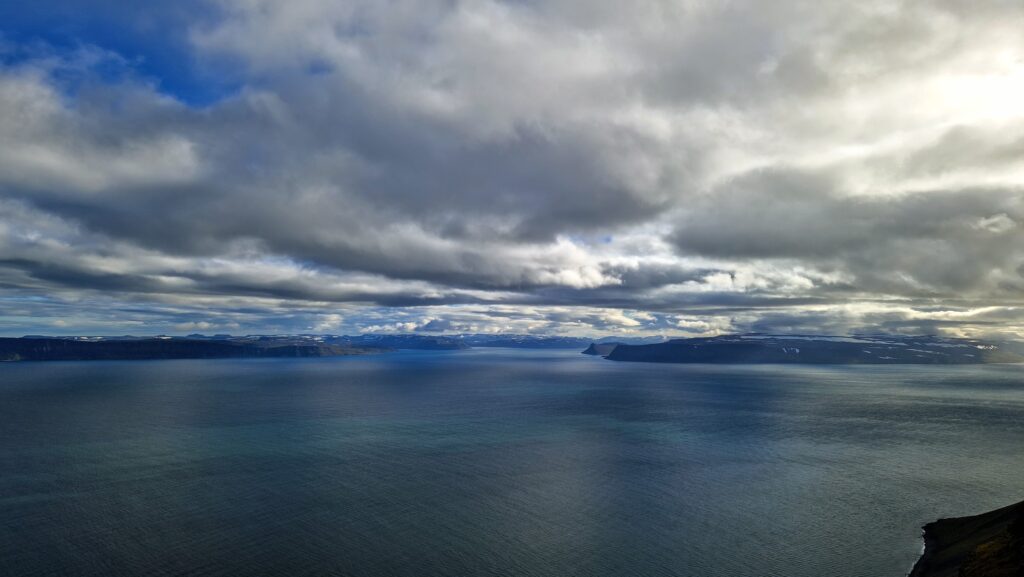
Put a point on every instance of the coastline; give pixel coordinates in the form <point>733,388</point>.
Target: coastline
<point>986,545</point>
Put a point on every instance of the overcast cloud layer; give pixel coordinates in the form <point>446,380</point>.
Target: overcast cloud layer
<point>563,167</point>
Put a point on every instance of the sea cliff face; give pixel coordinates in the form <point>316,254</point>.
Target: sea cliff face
<point>986,545</point>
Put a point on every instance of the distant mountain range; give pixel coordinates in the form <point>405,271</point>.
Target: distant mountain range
<point>812,349</point>
<point>196,346</point>
<point>749,348</point>
<point>146,348</point>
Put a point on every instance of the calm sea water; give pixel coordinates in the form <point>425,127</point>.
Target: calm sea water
<point>491,462</point>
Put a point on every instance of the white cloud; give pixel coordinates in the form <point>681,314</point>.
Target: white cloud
<point>328,323</point>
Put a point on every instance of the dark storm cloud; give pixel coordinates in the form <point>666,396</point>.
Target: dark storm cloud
<point>945,242</point>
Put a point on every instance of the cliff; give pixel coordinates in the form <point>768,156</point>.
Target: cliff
<point>986,545</point>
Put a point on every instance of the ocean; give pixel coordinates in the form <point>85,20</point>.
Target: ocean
<point>494,462</point>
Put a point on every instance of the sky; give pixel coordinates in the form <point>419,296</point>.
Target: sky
<point>565,167</point>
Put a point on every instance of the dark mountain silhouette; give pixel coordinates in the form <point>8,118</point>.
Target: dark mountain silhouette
<point>986,545</point>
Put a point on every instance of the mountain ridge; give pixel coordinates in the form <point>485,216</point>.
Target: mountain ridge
<point>816,349</point>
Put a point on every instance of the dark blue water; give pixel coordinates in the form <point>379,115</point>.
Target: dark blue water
<point>494,463</point>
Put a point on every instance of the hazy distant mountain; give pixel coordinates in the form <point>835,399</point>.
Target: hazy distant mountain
<point>399,341</point>
<point>757,348</point>
<point>538,341</point>
<point>421,341</point>
<point>525,341</point>
<point>600,349</point>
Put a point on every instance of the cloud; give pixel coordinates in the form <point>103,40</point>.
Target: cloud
<point>328,323</point>
<point>945,243</point>
<point>479,166</point>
